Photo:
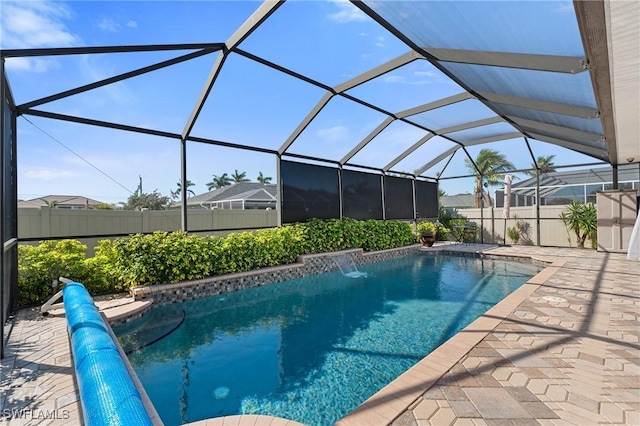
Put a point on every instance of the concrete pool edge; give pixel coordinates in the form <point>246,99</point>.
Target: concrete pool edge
<point>401,394</point>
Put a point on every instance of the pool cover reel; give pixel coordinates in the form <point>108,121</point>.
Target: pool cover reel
<point>107,392</point>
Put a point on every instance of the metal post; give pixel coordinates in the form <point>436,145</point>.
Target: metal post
<point>481,213</point>
<point>615,176</point>
<point>384,208</point>
<point>2,206</point>
<point>183,184</point>
<point>278,191</point>
<point>538,242</point>
<point>340,196</point>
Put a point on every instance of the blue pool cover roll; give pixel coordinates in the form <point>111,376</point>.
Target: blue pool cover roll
<point>107,391</point>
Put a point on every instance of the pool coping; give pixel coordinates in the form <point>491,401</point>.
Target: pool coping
<point>406,390</point>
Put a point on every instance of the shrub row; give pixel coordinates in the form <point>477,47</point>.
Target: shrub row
<point>169,257</point>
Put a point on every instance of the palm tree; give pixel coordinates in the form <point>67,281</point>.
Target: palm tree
<point>178,191</point>
<point>545,164</point>
<point>239,176</point>
<point>263,179</point>
<point>491,168</point>
<point>219,181</point>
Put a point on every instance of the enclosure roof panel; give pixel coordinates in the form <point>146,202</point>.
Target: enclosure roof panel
<point>339,85</point>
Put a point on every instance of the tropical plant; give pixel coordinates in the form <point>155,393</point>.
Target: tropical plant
<point>581,219</point>
<point>520,233</point>
<point>427,229</point>
<point>103,206</point>
<point>239,176</point>
<point>50,204</point>
<point>514,235</point>
<point>545,165</point>
<point>491,167</point>
<point>178,191</point>
<point>151,201</point>
<point>263,179</point>
<point>219,181</point>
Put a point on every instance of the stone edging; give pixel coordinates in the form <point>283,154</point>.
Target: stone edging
<point>309,264</point>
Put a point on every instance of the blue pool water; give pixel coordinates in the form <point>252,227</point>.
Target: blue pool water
<point>310,349</point>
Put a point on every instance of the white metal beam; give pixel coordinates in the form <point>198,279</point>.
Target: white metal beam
<point>367,139</point>
<point>435,104</point>
<point>409,150</point>
<point>551,63</point>
<point>305,122</point>
<point>557,130</point>
<point>436,160</point>
<point>597,152</point>
<point>391,65</point>
<point>564,109</point>
<point>469,125</point>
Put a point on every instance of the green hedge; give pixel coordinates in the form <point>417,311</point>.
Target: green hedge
<point>169,257</point>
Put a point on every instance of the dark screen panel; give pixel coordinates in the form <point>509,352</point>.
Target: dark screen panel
<point>309,191</point>
<point>361,195</point>
<point>398,198</point>
<point>426,199</point>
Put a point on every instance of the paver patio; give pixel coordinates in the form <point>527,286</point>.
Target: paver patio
<point>563,349</point>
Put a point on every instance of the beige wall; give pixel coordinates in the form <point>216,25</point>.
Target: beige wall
<point>52,222</point>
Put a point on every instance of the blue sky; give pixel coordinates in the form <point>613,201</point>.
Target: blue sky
<point>329,41</point>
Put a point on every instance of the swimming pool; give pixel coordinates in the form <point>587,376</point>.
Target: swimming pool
<point>310,349</point>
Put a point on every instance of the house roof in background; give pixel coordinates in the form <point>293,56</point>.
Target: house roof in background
<point>457,201</point>
<point>234,191</point>
<point>60,200</point>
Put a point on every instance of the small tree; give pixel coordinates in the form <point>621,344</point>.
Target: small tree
<point>545,165</point>
<point>582,219</point>
<point>263,179</point>
<point>103,206</point>
<point>150,201</point>
<point>239,176</point>
<point>491,167</point>
<point>219,181</point>
<point>178,191</point>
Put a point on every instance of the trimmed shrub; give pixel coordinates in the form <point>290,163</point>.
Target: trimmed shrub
<point>170,257</point>
<point>39,266</point>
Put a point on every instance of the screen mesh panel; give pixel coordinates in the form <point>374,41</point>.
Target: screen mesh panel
<point>426,199</point>
<point>398,198</point>
<point>361,195</point>
<point>309,191</point>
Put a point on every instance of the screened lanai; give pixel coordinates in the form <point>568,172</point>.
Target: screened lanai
<point>397,97</point>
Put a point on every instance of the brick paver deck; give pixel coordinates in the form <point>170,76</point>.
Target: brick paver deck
<point>563,349</point>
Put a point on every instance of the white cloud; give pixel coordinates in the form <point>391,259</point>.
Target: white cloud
<point>425,73</point>
<point>108,24</point>
<point>394,79</point>
<point>347,13</point>
<point>379,41</point>
<point>35,24</point>
<point>97,68</point>
<point>132,24</point>
<point>422,77</point>
<point>47,174</point>
<point>333,134</point>
<point>29,24</point>
<point>30,64</point>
